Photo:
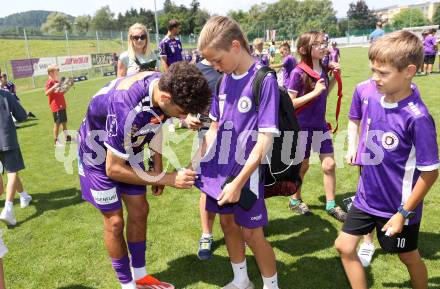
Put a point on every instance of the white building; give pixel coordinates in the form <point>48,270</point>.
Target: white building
<point>427,8</point>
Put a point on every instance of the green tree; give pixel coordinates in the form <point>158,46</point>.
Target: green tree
<point>57,22</point>
<point>103,19</point>
<point>82,24</point>
<point>436,17</point>
<point>360,16</point>
<point>410,17</point>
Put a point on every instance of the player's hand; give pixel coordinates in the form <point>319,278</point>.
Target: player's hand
<point>157,190</point>
<point>184,179</point>
<point>334,66</point>
<point>230,194</point>
<point>193,122</point>
<point>319,87</point>
<point>394,225</point>
<point>350,158</point>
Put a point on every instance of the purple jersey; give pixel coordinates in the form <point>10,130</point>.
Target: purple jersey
<point>238,125</point>
<point>312,114</point>
<point>429,44</point>
<point>334,54</point>
<point>120,118</point>
<point>263,58</point>
<point>289,63</point>
<point>399,141</point>
<point>171,48</point>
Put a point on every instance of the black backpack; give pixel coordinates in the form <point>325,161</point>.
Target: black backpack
<point>281,177</point>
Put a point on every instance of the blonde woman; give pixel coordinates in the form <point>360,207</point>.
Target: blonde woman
<point>138,52</point>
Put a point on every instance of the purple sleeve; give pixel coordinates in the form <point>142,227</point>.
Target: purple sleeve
<point>162,48</point>
<point>356,106</point>
<point>269,105</point>
<point>214,112</point>
<point>296,82</point>
<point>115,123</point>
<point>424,138</point>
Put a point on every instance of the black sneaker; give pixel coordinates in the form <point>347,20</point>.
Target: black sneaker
<point>338,214</point>
<point>205,248</point>
<point>300,208</point>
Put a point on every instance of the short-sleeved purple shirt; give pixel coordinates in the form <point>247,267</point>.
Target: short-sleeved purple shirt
<point>398,143</point>
<point>172,49</point>
<point>263,58</point>
<point>334,54</point>
<point>239,123</point>
<point>312,115</point>
<point>429,44</point>
<point>289,63</point>
<point>120,118</point>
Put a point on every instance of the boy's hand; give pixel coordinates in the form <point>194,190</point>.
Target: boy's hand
<point>193,122</point>
<point>319,87</point>
<point>394,225</point>
<point>350,158</point>
<point>157,190</point>
<point>184,179</point>
<point>230,194</point>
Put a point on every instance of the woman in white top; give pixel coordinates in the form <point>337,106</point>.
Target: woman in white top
<point>138,51</point>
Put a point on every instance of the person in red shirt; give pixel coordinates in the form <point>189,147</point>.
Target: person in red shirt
<point>57,103</point>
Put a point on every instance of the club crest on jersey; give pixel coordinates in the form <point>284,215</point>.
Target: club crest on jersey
<point>244,104</point>
<point>111,125</point>
<point>390,141</point>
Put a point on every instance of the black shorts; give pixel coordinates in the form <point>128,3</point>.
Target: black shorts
<point>360,223</point>
<point>12,160</point>
<point>429,59</point>
<point>60,116</point>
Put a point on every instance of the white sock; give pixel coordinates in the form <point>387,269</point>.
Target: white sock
<point>131,285</point>
<point>206,235</point>
<point>24,194</point>
<point>241,278</point>
<point>271,282</point>
<point>139,273</point>
<point>9,205</point>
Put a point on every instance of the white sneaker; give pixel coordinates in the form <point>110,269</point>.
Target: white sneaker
<point>3,248</point>
<point>365,253</point>
<point>171,127</point>
<point>25,200</point>
<point>8,217</point>
<point>58,144</point>
<point>232,286</point>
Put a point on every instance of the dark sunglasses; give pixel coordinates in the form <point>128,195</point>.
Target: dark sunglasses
<point>139,37</point>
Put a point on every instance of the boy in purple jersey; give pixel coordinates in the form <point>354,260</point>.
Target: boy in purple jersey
<point>121,119</point>
<point>235,144</point>
<point>288,64</point>
<point>335,55</point>
<point>170,48</point>
<point>309,97</point>
<point>258,53</point>
<point>399,159</point>
<point>430,48</point>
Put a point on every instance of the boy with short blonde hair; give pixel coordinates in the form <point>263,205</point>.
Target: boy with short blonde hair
<point>399,156</point>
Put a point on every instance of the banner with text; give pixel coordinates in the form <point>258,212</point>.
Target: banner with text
<point>102,59</point>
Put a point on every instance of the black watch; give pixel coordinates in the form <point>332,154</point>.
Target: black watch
<point>406,214</point>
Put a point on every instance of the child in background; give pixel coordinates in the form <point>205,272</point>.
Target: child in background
<point>57,104</point>
<point>335,55</point>
<point>233,111</point>
<point>309,98</point>
<point>396,126</point>
<point>258,52</point>
<point>288,64</point>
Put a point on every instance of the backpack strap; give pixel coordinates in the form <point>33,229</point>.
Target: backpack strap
<point>310,72</point>
<point>258,82</point>
<point>218,83</point>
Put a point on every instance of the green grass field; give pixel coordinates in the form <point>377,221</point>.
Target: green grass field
<point>58,243</point>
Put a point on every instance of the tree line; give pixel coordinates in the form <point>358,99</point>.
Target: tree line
<point>289,17</point>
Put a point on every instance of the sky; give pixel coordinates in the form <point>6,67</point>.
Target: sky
<point>82,7</point>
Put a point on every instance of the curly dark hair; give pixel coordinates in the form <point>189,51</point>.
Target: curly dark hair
<point>187,86</point>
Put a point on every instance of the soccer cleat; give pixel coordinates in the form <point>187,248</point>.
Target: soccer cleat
<point>30,114</point>
<point>365,253</point>
<point>24,201</point>
<point>232,286</point>
<point>205,248</point>
<point>149,282</point>
<point>338,214</point>
<point>300,208</point>
<point>8,217</point>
